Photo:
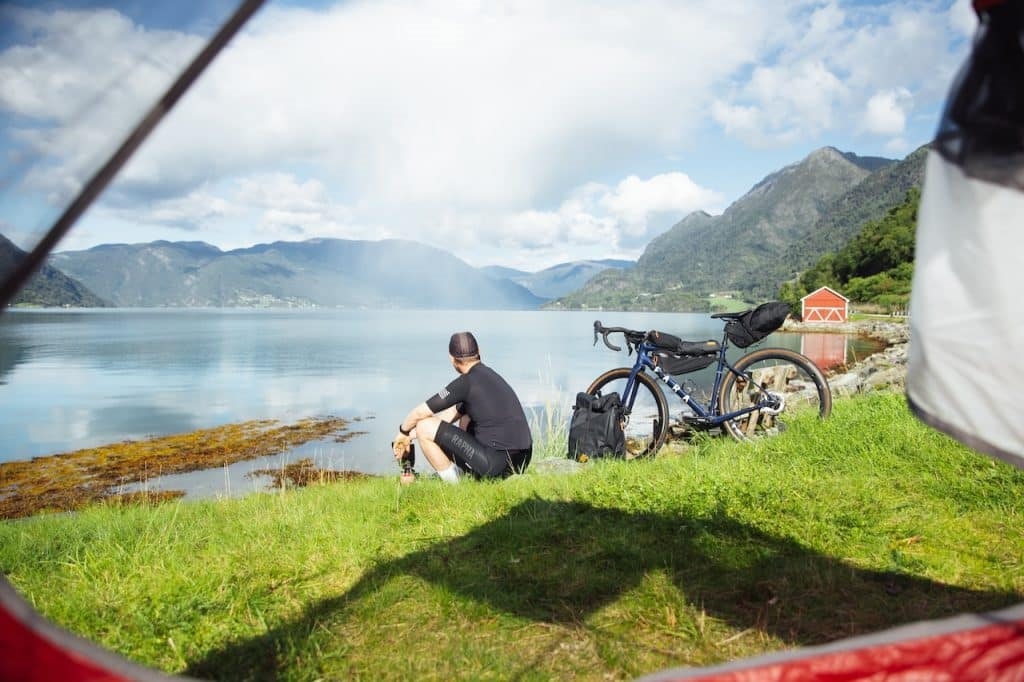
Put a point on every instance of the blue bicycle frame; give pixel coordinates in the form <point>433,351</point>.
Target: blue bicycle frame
<point>707,416</point>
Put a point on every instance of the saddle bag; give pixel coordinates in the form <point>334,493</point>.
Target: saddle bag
<point>595,429</point>
<point>757,323</point>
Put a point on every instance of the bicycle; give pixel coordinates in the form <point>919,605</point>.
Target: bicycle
<point>749,398</point>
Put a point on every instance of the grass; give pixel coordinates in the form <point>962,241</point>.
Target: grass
<point>707,553</point>
<point>730,303</point>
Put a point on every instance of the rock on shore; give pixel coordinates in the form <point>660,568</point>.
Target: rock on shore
<point>885,370</point>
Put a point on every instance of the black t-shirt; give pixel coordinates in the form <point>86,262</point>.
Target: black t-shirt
<point>496,416</point>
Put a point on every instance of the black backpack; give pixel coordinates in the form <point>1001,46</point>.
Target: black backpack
<point>595,429</point>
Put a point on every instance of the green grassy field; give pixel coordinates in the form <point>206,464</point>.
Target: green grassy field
<point>728,304</point>
<point>707,553</point>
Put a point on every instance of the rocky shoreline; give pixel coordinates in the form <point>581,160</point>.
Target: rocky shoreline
<point>885,370</point>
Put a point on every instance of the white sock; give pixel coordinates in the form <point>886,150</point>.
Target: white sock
<point>449,475</point>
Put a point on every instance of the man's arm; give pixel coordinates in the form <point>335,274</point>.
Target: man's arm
<point>402,441</point>
<point>408,425</point>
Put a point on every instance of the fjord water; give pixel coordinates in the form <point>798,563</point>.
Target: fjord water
<point>72,379</point>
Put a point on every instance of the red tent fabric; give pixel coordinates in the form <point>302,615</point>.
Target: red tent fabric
<point>32,649</point>
<point>966,648</point>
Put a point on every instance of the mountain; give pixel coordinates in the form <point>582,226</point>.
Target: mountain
<point>48,287</point>
<point>783,225</point>
<point>558,280</point>
<point>870,200</point>
<point>316,272</point>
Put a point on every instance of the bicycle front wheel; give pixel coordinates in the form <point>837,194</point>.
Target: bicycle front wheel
<point>645,421</point>
<point>782,383</point>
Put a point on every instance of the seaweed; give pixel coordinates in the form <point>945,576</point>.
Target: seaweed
<point>70,481</point>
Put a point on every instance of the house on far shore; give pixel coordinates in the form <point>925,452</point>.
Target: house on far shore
<point>825,305</point>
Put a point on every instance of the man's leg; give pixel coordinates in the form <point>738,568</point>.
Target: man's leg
<point>426,432</point>
<point>469,454</point>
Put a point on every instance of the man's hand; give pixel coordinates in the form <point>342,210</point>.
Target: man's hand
<point>400,445</point>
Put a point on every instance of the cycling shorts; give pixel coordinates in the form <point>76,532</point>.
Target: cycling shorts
<point>478,459</point>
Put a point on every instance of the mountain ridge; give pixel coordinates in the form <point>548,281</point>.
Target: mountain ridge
<point>561,279</point>
<point>317,272</point>
<point>48,286</point>
<point>781,226</point>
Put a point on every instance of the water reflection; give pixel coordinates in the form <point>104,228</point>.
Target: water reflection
<point>826,350</point>
<point>13,351</point>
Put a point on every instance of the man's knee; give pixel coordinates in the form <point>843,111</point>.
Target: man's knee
<point>427,428</point>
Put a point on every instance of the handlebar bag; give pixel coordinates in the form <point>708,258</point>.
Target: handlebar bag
<point>595,429</point>
<point>665,341</point>
<point>674,345</point>
<point>758,323</point>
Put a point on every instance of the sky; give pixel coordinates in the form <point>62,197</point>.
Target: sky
<point>521,134</point>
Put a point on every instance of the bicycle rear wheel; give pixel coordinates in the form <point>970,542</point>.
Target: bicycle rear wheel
<point>785,383</point>
<point>645,421</point>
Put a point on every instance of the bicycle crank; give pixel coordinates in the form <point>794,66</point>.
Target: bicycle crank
<point>776,404</point>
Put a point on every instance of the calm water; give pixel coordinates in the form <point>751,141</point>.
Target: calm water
<point>75,379</point>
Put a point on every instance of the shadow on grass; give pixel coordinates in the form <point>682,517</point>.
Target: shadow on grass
<point>559,562</point>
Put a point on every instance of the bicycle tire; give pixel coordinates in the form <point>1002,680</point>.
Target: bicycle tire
<point>790,375</point>
<point>646,420</point>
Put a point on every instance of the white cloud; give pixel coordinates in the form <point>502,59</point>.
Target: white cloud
<point>634,200</point>
<point>785,103</point>
<point>191,210</point>
<point>291,209</point>
<point>831,61</point>
<point>432,102</point>
<point>499,130</point>
<point>282,190</point>
<point>88,75</point>
<point>962,18</point>
<point>897,146</point>
<point>619,219</point>
<point>886,112</point>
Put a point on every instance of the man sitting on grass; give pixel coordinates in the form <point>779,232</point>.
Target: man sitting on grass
<point>492,438</point>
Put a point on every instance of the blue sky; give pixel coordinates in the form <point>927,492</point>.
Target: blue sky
<point>521,134</point>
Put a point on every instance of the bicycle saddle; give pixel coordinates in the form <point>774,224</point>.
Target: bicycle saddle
<point>730,316</point>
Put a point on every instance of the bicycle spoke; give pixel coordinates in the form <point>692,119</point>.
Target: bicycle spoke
<point>782,385</point>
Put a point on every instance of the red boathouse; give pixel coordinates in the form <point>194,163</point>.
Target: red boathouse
<point>824,305</point>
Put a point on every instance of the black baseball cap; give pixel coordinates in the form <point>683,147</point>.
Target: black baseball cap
<point>463,345</point>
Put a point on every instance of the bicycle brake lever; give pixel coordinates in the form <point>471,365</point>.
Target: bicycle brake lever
<point>599,329</point>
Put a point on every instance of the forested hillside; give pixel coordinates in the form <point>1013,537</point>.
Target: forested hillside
<point>48,287</point>
<point>874,267</point>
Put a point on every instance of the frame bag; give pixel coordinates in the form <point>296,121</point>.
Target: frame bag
<point>682,364</point>
<point>676,356</point>
<point>595,429</point>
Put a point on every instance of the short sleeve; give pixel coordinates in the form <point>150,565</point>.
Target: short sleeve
<point>452,394</point>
